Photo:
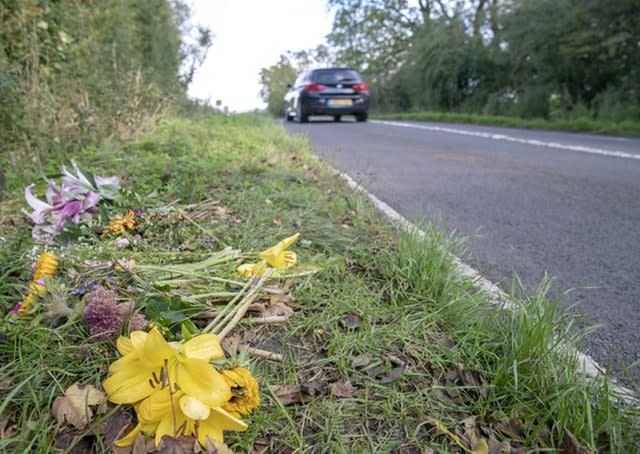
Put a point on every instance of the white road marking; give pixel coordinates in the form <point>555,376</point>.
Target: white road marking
<point>487,135</point>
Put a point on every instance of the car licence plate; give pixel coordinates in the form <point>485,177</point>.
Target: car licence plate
<point>340,102</point>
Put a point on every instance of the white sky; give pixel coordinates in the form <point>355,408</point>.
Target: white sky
<point>250,35</point>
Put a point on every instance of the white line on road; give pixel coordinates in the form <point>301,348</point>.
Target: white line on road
<point>487,135</point>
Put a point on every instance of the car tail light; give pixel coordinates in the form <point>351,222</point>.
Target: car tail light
<point>314,87</point>
<point>361,87</point>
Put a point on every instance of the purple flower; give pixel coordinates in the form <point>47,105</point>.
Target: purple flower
<point>76,198</point>
<point>106,317</point>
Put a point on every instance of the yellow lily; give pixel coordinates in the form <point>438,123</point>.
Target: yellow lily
<point>176,413</point>
<point>149,363</point>
<point>277,257</point>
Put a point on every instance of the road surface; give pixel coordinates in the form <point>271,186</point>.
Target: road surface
<point>534,203</point>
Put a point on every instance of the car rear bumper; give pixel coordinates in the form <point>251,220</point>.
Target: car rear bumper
<point>320,106</point>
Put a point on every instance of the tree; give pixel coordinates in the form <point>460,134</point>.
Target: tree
<point>274,80</point>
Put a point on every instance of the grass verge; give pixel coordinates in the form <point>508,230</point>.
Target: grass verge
<point>622,128</point>
<point>387,349</point>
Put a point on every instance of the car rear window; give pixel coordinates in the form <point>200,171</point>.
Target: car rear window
<point>336,76</point>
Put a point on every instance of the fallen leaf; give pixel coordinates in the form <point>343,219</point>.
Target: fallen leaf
<point>139,445</point>
<point>73,442</point>
<point>115,427</point>
<point>361,361</point>
<point>180,445</point>
<point>290,394</point>
<point>5,429</point>
<point>511,429</point>
<point>481,448</point>
<point>314,388</point>
<point>351,321</point>
<point>278,309</point>
<point>66,412</point>
<point>343,389</point>
<point>217,447</point>
<point>571,445</point>
<point>392,376</point>
<point>85,395</point>
<point>497,447</point>
<point>231,343</point>
<point>74,406</point>
<point>261,446</point>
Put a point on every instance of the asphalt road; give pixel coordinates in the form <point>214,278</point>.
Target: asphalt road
<point>527,202</point>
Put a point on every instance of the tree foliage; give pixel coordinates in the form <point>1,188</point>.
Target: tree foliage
<point>77,71</point>
<point>529,58</point>
<point>274,80</point>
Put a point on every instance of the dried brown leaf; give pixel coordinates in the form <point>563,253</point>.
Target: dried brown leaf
<point>139,445</point>
<point>261,446</point>
<point>278,309</point>
<point>115,427</point>
<point>73,442</point>
<point>66,412</point>
<point>74,406</point>
<point>511,429</point>
<point>290,394</point>
<point>343,389</point>
<point>351,321</point>
<point>180,445</point>
<point>571,445</point>
<point>5,429</point>
<point>217,447</point>
<point>231,343</point>
<point>392,376</point>
<point>314,388</point>
<point>497,447</point>
<point>361,361</point>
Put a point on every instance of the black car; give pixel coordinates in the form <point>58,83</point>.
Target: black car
<point>327,91</point>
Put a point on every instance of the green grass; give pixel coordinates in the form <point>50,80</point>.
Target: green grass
<point>387,344</point>
<point>623,128</point>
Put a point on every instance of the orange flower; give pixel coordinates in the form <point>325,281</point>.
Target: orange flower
<point>245,391</point>
<point>120,224</point>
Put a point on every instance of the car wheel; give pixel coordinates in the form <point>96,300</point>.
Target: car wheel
<point>361,117</point>
<point>336,117</point>
<point>301,116</point>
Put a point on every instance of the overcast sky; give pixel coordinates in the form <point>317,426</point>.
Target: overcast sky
<point>250,35</point>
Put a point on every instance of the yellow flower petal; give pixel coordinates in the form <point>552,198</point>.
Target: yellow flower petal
<point>138,338</point>
<point>284,260</point>
<point>271,254</point>
<point>217,422</point>
<point>124,344</point>
<point>128,385</point>
<point>152,409</point>
<point>193,408</point>
<point>203,346</point>
<point>156,351</point>
<point>174,425</point>
<point>198,378</point>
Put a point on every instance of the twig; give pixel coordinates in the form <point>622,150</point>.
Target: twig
<point>265,354</point>
<point>271,319</point>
